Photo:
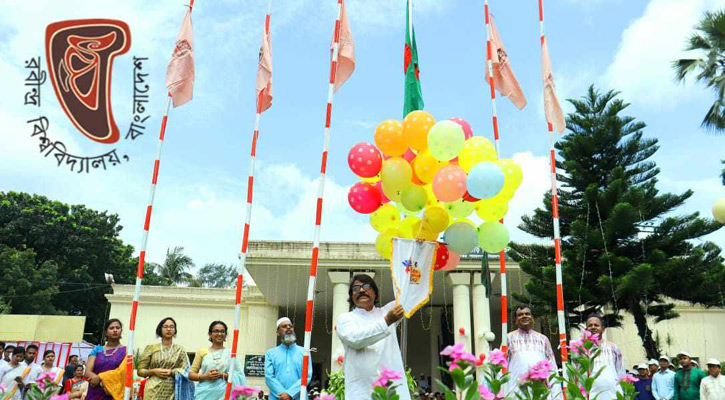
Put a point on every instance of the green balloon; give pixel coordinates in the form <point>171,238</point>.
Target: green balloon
<point>404,210</point>
<point>493,237</point>
<point>414,198</point>
<point>446,140</point>
<point>460,208</point>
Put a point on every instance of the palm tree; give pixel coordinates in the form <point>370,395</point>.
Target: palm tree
<point>176,265</point>
<point>709,39</point>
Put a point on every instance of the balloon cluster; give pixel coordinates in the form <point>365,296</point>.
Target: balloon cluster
<point>436,174</point>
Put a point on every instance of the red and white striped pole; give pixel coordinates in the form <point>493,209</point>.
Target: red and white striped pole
<point>310,306</point>
<point>142,258</point>
<point>502,254</point>
<point>555,216</point>
<point>247,224</point>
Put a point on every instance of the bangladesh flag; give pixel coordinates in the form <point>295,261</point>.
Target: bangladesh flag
<point>413,93</point>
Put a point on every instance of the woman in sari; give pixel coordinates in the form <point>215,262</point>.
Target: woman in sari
<point>77,387</point>
<point>212,364</point>
<point>50,371</point>
<point>610,360</point>
<point>160,362</point>
<point>13,375</point>
<point>105,358</point>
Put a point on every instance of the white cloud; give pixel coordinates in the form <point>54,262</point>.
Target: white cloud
<point>642,66</point>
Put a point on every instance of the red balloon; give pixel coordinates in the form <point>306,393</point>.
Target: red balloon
<point>442,256</point>
<point>453,260</point>
<point>462,331</point>
<point>364,198</point>
<point>365,160</point>
<point>467,196</point>
<point>383,198</point>
<point>467,131</point>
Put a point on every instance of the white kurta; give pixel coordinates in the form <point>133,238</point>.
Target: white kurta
<point>712,388</point>
<point>8,373</point>
<point>607,386</point>
<point>370,344</point>
<point>525,350</point>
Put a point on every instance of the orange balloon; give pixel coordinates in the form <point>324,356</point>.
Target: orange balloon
<point>426,166</point>
<point>415,129</point>
<point>389,138</point>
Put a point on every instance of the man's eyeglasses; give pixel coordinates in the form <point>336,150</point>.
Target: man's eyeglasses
<point>356,288</point>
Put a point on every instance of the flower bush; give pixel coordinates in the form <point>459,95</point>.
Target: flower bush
<point>244,392</point>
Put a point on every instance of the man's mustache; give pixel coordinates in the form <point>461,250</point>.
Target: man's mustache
<point>362,294</point>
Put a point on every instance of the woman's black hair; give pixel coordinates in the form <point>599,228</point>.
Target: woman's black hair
<point>78,366</point>
<point>110,321</point>
<point>161,325</point>
<point>214,323</point>
<point>599,317</point>
<point>363,278</point>
<point>18,350</point>
<point>48,352</point>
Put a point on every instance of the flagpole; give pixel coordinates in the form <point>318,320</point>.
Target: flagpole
<point>247,223</point>
<point>310,306</point>
<point>494,119</point>
<point>555,217</point>
<point>142,258</point>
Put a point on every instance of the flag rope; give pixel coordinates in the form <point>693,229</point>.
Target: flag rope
<point>555,217</point>
<point>310,305</point>
<point>494,119</point>
<point>142,258</point>
<point>247,224</point>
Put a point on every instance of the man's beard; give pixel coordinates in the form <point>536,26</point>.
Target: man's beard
<point>289,338</point>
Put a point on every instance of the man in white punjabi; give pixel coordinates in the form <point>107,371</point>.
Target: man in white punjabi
<point>712,386</point>
<point>283,364</point>
<point>526,348</point>
<point>368,335</point>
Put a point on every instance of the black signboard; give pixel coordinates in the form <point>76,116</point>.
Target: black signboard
<point>254,365</point>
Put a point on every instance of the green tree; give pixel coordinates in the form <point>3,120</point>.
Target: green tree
<point>29,288</point>
<point>623,249</point>
<point>216,275</point>
<point>709,68</point>
<point>176,266</point>
<point>83,244</point>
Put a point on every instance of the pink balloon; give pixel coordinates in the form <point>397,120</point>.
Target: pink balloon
<point>449,183</point>
<point>365,160</point>
<point>467,131</point>
<point>453,260</point>
<point>409,156</point>
<point>383,198</point>
<point>364,198</point>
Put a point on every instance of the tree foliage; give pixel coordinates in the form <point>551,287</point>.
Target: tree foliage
<point>623,248</point>
<point>216,275</point>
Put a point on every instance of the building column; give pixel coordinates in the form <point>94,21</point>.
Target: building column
<point>461,282</point>
<point>340,286</point>
<point>481,316</point>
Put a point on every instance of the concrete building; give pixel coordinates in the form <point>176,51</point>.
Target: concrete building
<point>460,310</point>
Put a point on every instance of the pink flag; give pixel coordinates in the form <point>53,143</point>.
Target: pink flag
<point>180,72</point>
<point>346,51</point>
<point>264,73</point>
<point>552,109</point>
<point>503,77</point>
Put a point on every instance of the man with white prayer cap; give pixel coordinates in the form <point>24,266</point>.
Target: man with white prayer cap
<point>663,382</point>
<point>712,387</point>
<point>283,364</point>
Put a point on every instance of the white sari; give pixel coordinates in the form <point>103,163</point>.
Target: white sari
<point>8,374</point>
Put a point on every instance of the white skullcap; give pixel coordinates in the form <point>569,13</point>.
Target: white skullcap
<point>281,321</point>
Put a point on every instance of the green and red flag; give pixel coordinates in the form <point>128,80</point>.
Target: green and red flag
<point>413,93</point>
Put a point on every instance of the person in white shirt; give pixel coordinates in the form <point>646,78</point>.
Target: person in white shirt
<point>712,387</point>
<point>527,348</point>
<point>8,353</point>
<point>14,375</point>
<point>367,333</point>
<point>653,366</point>
<point>30,353</point>
<point>2,353</point>
<point>663,382</point>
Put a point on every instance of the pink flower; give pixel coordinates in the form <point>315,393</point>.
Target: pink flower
<point>626,378</point>
<point>458,353</point>
<point>44,378</point>
<point>327,397</point>
<point>386,375</point>
<point>61,397</point>
<point>453,366</point>
<point>2,388</point>
<point>538,372</point>
<point>577,347</point>
<point>497,357</point>
<point>592,337</point>
<point>487,394</point>
<point>243,392</point>
<point>583,391</point>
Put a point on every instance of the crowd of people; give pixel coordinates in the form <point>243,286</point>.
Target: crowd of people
<point>368,335</point>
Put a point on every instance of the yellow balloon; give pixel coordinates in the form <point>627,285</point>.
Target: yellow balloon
<point>392,195</point>
<point>385,217</point>
<point>373,179</point>
<point>426,166</point>
<point>404,210</point>
<point>384,243</point>
<point>415,129</point>
<point>475,150</point>
<point>459,208</point>
<point>437,218</point>
<point>432,200</point>
<point>491,210</point>
<point>423,231</point>
<point>396,174</point>
<point>389,138</point>
<point>512,171</point>
<point>406,226</point>
<point>414,198</point>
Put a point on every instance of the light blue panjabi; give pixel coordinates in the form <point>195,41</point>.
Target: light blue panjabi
<point>283,370</point>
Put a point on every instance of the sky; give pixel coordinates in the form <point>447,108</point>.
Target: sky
<point>619,45</point>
